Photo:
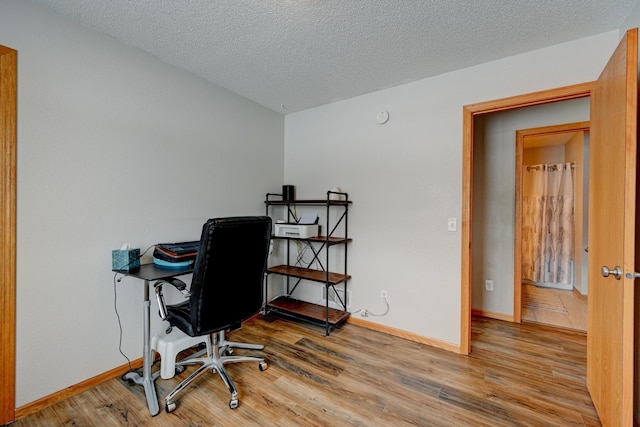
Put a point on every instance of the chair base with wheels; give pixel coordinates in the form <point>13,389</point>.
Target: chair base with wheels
<point>228,346</point>
<point>215,360</point>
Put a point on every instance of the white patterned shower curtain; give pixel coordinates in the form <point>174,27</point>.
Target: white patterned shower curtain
<point>547,223</point>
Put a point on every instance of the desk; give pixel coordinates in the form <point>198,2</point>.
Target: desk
<point>149,272</point>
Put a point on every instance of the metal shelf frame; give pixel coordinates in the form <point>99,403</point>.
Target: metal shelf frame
<point>318,244</point>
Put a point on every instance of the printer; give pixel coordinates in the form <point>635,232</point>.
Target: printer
<point>305,228</point>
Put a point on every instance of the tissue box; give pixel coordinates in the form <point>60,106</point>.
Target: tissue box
<point>125,260</point>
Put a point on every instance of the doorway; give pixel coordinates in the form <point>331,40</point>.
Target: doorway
<point>470,114</point>
<point>494,187</point>
<point>560,300</point>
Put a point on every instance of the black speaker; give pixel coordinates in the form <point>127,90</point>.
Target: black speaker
<point>288,193</point>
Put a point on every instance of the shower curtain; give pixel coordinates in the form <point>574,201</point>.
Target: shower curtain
<point>547,223</point>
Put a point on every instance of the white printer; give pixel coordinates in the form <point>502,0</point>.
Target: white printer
<point>306,227</point>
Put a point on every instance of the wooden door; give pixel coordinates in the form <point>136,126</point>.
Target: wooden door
<point>8,99</point>
<point>612,241</point>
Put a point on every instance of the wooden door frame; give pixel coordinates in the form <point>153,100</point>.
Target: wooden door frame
<point>8,114</point>
<point>521,135</point>
<point>469,113</point>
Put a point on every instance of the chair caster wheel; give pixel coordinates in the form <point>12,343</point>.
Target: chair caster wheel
<point>170,406</point>
<point>263,366</point>
<point>233,403</point>
<point>180,369</point>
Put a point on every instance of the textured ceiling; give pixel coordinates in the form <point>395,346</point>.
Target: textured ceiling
<point>289,55</point>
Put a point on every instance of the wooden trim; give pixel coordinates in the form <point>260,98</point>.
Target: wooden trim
<point>469,113</point>
<point>556,129</point>
<point>521,136</point>
<point>492,315</point>
<point>404,334</point>
<point>52,399</point>
<point>467,181</point>
<point>517,231</point>
<point>565,93</point>
<point>8,142</point>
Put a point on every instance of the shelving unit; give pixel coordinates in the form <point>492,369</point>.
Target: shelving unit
<point>287,305</point>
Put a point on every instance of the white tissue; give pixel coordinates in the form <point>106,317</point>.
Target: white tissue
<point>334,196</point>
<point>125,247</point>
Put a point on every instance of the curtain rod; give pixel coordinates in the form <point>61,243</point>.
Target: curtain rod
<point>551,167</point>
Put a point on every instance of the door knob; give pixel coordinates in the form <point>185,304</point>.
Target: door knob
<point>633,275</point>
<point>616,272</point>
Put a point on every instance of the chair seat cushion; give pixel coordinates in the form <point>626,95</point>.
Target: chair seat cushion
<point>179,316</point>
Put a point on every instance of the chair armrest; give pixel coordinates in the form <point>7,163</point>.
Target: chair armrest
<point>176,283</point>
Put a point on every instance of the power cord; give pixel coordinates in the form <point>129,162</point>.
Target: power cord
<point>366,313</point>
<point>116,280</point>
<point>115,308</point>
<point>363,311</point>
<point>303,247</point>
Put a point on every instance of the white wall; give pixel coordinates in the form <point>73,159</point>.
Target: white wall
<point>547,154</point>
<point>576,148</point>
<point>113,146</point>
<point>404,177</point>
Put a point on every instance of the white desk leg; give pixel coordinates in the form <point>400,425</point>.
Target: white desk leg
<point>147,380</point>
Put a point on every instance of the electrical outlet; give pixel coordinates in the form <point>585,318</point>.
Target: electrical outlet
<point>488,285</point>
<point>384,296</point>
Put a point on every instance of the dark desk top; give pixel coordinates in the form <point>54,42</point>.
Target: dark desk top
<point>153,272</point>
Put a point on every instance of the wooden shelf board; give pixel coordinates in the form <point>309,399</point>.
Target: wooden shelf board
<point>309,311</point>
<point>317,239</point>
<point>309,202</point>
<point>309,274</point>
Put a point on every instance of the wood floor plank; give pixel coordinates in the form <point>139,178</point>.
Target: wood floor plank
<point>516,375</point>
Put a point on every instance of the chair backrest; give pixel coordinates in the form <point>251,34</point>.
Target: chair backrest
<point>227,284</point>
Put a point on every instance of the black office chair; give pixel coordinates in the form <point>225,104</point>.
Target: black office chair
<point>226,289</point>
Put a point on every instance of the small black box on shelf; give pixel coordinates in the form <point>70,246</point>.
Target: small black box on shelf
<point>288,193</point>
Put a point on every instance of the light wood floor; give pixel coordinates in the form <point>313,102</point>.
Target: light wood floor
<point>516,375</point>
<point>567,309</point>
